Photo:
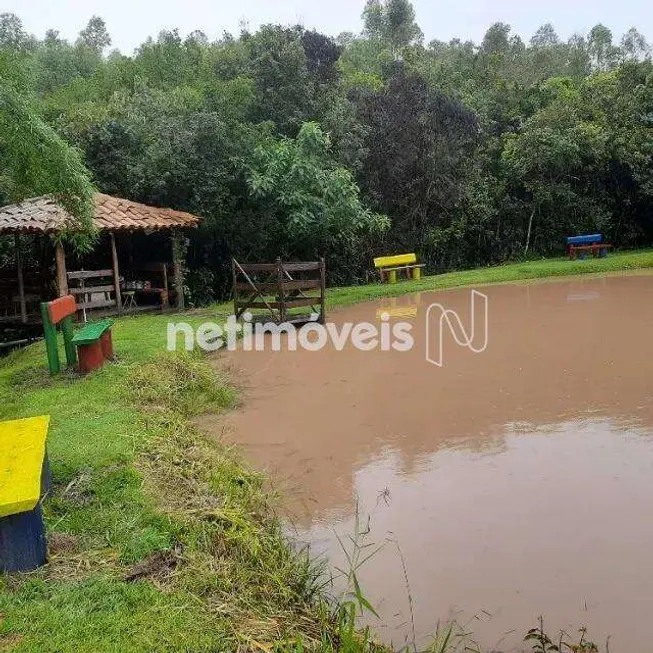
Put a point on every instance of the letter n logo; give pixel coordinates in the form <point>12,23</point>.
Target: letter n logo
<point>476,339</point>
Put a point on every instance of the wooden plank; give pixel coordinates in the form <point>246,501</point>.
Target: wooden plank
<point>23,545</point>
<point>390,261</point>
<point>89,274</point>
<point>258,267</point>
<point>301,267</point>
<point>89,289</point>
<point>98,303</point>
<point>22,452</point>
<point>587,248</point>
<point>60,308</point>
<point>587,239</point>
<point>289,267</point>
<point>271,287</point>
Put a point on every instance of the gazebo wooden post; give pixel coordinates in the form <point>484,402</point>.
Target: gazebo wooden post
<point>21,282</point>
<point>166,288</point>
<point>62,278</point>
<point>177,266</point>
<point>116,273</point>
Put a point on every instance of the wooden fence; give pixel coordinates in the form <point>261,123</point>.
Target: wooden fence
<point>281,290</point>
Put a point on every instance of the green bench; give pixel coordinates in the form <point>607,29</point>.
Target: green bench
<point>92,344</point>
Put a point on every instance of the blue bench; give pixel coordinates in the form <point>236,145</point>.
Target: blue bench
<point>579,246</point>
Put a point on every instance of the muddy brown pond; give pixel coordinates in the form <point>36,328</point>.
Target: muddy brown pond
<point>516,482</point>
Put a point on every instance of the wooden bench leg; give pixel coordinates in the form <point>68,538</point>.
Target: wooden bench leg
<point>22,541</point>
<point>90,357</point>
<point>107,345</point>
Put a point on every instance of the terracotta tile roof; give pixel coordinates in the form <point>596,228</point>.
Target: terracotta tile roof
<point>44,215</point>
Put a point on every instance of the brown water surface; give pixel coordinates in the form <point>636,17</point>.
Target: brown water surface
<point>516,482</point>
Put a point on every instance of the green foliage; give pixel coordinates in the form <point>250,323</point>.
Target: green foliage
<point>541,642</point>
<point>34,161</point>
<point>199,287</point>
<point>312,202</point>
<point>476,152</point>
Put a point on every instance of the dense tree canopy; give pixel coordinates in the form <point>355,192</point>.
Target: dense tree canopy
<point>290,142</point>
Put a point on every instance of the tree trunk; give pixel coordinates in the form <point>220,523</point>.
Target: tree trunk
<point>62,277</point>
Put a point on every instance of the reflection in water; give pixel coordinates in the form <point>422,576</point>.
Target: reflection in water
<point>516,482</point>
<point>496,537</point>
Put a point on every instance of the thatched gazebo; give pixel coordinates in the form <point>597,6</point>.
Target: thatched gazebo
<point>113,216</point>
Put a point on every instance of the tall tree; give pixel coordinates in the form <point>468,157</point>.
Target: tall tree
<point>392,21</point>
<point>12,34</point>
<point>634,45</point>
<point>95,35</point>
<point>600,47</point>
<point>419,143</point>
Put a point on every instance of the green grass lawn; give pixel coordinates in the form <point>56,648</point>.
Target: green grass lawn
<point>161,539</point>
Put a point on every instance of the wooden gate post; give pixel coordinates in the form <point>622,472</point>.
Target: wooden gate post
<point>235,286</point>
<point>281,292</point>
<point>322,291</point>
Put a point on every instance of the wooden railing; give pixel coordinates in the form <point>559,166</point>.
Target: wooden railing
<point>273,288</point>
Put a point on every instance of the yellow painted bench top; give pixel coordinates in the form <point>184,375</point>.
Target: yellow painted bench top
<point>392,261</point>
<point>22,450</point>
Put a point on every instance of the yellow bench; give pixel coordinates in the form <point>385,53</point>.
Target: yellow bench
<point>24,481</point>
<point>390,265</point>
